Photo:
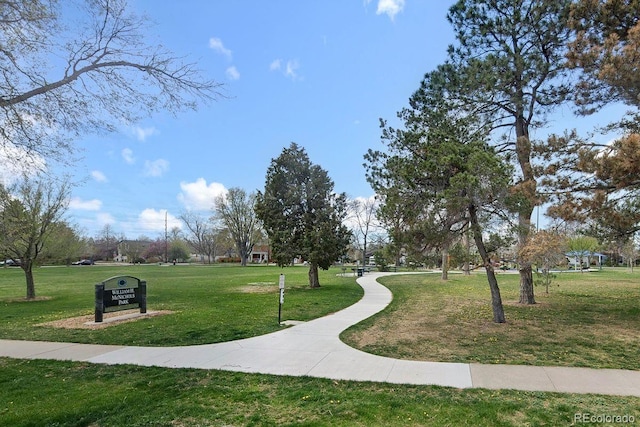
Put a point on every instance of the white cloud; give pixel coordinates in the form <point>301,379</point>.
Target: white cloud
<point>99,176</point>
<point>15,161</point>
<point>127,155</point>
<point>390,7</point>
<point>85,205</point>
<point>104,218</point>
<point>154,220</point>
<point>291,69</point>
<point>199,195</point>
<point>275,65</point>
<point>156,168</point>
<point>232,73</point>
<point>217,45</point>
<point>143,133</point>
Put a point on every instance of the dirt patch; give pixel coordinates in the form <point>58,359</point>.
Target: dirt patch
<point>109,319</point>
<point>259,288</point>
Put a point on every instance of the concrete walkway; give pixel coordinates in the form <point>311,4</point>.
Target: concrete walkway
<point>314,349</point>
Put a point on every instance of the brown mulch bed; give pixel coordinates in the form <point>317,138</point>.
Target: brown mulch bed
<point>109,319</point>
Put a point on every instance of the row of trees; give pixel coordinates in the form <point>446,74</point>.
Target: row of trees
<point>463,159</point>
<point>64,76</point>
<point>298,213</point>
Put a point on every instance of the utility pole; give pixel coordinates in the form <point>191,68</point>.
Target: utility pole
<point>166,239</point>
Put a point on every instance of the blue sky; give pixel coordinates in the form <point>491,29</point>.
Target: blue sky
<point>318,73</point>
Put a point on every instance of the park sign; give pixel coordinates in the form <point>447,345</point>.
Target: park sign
<point>120,293</point>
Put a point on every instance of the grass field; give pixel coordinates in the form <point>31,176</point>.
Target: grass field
<point>47,393</point>
<point>209,303</point>
<point>218,303</point>
<point>588,319</point>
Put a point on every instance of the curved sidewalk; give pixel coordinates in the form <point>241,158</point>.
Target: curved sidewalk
<point>314,349</point>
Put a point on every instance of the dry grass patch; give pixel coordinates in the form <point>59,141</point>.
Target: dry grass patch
<point>591,320</point>
<point>109,319</point>
<point>259,288</point>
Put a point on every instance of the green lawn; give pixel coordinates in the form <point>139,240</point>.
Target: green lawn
<point>588,319</point>
<point>48,393</point>
<point>209,303</point>
<point>219,303</point>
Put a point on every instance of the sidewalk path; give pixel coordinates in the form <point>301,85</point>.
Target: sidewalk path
<point>314,349</point>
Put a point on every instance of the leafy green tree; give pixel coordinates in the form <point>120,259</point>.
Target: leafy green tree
<point>29,212</point>
<point>508,67</point>
<point>460,255</point>
<point>441,178</point>
<point>301,213</point>
<point>65,244</point>
<point>381,260</point>
<point>236,211</point>
<point>582,247</point>
<point>178,251</point>
<point>63,75</point>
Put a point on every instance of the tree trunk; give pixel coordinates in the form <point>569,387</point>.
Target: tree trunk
<point>467,264</point>
<point>27,266</point>
<point>243,252</point>
<point>364,251</point>
<point>314,282</point>
<point>445,264</point>
<point>528,190</point>
<point>526,270</point>
<point>526,285</point>
<point>496,299</point>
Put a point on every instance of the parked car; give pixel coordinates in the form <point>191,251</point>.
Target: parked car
<point>83,262</point>
<point>11,263</point>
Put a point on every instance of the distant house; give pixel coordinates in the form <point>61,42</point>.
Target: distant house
<point>130,250</point>
<point>584,259</point>
<point>260,254</point>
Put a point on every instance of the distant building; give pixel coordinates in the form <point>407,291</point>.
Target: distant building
<point>584,259</point>
<point>260,254</point>
<point>130,250</point>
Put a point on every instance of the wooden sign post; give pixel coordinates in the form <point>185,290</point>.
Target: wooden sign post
<point>120,293</point>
